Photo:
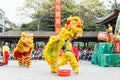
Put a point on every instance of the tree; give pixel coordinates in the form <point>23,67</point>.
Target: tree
<point>43,13</point>
<point>29,26</point>
<point>47,22</point>
<point>69,8</point>
<point>32,9</point>
<point>89,11</point>
<point>9,25</point>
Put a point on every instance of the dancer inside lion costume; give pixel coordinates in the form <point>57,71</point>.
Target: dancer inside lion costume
<point>71,30</point>
<point>24,49</point>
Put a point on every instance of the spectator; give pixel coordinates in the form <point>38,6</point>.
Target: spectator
<point>1,51</point>
<point>76,51</point>
<point>82,57</point>
<point>6,52</point>
<point>83,54</point>
<point>90,55</point>
<point>86,54</point>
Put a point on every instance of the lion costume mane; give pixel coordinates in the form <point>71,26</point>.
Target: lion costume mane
<point>24,49</point>
<point>71,30</point>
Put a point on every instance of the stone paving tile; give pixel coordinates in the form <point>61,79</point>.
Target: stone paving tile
<point>40,71</point>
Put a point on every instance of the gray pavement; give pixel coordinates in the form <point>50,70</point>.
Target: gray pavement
<point>40,71</point>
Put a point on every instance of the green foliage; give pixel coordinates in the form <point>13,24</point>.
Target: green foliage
<point>40,44</point>
<point>29,26</point>
<point>43,13</point>
<point>89,11</point>
<point>2,43</point>
<point>81,45</point>
<point>47,22</point>
<point>69,8</point>
<point>91,44</point>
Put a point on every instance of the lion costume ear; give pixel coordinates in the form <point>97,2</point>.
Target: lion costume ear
<point>23,34</point>
<point>31,35</point>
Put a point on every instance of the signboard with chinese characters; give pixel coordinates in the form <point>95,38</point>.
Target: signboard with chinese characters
<point>117,27</point>
<point>57,16</point>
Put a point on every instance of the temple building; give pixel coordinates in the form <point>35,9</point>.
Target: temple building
<point>43,36</point>
<point>109,19</point>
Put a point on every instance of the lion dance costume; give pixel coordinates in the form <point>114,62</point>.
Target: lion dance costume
<point>24,49</point>
<point>72,30</point>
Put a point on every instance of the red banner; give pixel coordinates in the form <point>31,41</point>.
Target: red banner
<point>57,16</point>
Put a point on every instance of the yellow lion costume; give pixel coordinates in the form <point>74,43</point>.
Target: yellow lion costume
<point>24,49</point>
<point>72,30</point>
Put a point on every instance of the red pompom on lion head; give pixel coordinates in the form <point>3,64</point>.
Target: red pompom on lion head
<point>76,20</point>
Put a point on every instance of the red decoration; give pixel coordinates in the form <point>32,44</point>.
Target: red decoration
<point>117,47</point>
<point>68,22</point>
<point>57,16</point>
<point>17,54</point>
<point>79,26</point>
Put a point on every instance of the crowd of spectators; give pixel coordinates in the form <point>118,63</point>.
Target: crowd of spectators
<point>85,54</point>
<point>36,54</point>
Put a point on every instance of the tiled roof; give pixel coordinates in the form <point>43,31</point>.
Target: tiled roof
<point>112,17</point>
<point>36,33</point>
<point>43,34</point>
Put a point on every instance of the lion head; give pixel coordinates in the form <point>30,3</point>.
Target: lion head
<point>75,26</point>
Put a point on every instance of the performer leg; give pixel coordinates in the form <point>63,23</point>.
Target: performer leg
<point>23,60</point>
<point>54,69</point>
<point>54,64</point>
<point>6,58</point>
<point>73,62</point>
<point>63,59</point>
<point>27,61</point>
<point>19,61</point>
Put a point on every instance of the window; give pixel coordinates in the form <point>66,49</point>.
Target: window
<point>1,16</point>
